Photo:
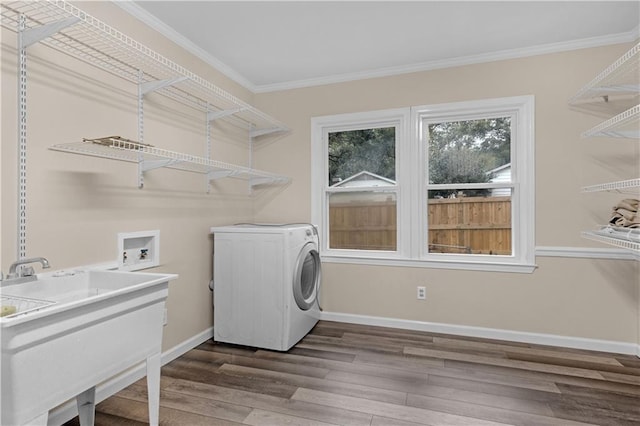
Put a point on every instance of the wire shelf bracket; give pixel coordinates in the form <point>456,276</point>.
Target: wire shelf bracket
<point>37,34</point>
<point>257,133</point>
<point>219,174</point>
<point>216,115</point>
<point>153,86</point>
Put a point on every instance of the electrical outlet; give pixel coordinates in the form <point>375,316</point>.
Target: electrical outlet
<point>422,293</point>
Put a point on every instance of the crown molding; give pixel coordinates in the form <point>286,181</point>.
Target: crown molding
<point>153,22</point>
<point>502,55</point>
<point>164,29</point>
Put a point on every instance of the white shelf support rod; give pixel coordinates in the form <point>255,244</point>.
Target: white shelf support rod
<point>36,34</point>
<point>207,146</point>
<point>152,86</point>
<point>140,172</point>
<point>22,142</point>
<point>140,128</point>
<point>250,155</point>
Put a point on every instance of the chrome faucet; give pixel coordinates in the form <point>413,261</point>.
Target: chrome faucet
<point>25,272</point>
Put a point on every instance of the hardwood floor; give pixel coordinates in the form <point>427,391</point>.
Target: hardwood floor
<point>345,374</point>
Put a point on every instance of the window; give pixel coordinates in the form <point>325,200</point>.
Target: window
<point>362,181</point>
<point>457,192</point>
<point>468,188</point>
<point>359,188</point>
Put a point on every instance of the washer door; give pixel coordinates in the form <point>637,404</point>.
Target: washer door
<point>306,278</point>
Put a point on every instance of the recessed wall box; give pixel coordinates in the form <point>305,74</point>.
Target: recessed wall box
<point>138,250</point>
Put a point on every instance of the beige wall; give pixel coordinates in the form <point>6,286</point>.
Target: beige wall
<point>596,299</point>
<point>76,205</point>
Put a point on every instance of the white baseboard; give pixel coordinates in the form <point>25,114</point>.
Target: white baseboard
<point>186,346</point>
<point>488,333</point>
<point>69,410</point>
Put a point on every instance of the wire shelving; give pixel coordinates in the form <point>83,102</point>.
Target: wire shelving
<point>603,236</point>
<point>150,158</point>
<point>630,186</point>
<point>615,91</point>
<point>623,125</point>
<point>66,28</point>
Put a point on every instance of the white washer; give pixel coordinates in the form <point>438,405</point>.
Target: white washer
<point>266,280</point>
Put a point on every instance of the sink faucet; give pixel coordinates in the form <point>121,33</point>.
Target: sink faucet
<point>25,272</point>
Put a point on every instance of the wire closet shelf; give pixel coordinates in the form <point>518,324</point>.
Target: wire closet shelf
<point>615,93</point>
<point>615,238</point>
<point>624,125</point>
<point>93,41</point>
<point>150,158</point>
<point>630,186</point>
<point>65,28</point>
<point>615,90</point>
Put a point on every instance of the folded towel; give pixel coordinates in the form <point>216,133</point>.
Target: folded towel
<point>625,214</point>
<point>628,204</point>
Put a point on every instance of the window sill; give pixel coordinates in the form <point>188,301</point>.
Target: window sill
<point>522,268</point>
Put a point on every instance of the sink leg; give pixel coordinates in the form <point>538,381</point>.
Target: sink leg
<point>86,402</point>
<point>153,388</point>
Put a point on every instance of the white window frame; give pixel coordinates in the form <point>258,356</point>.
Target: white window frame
<point>411,156</point>
<point>320,128</point>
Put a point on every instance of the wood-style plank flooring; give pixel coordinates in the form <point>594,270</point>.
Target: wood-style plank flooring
<point>345,374</point>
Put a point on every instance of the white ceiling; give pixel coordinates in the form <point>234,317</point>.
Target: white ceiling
<point>268,45</point>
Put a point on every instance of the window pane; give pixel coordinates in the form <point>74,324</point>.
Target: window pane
<point>362,157</point>
<point>362,221</point>
<point>479,224</point>
<point>473,151</point>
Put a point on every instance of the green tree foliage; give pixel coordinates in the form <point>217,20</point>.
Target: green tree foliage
<point>459,152</point>
<point>353,151</point>
<point>464,151</point>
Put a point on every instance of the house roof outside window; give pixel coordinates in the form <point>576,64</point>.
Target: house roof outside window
<point>362,179</point>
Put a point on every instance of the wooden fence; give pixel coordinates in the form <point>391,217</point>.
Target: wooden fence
<point>363,225</point>
<point>477,225</point>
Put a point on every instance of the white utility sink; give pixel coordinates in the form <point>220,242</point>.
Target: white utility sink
<point>72,332</point>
